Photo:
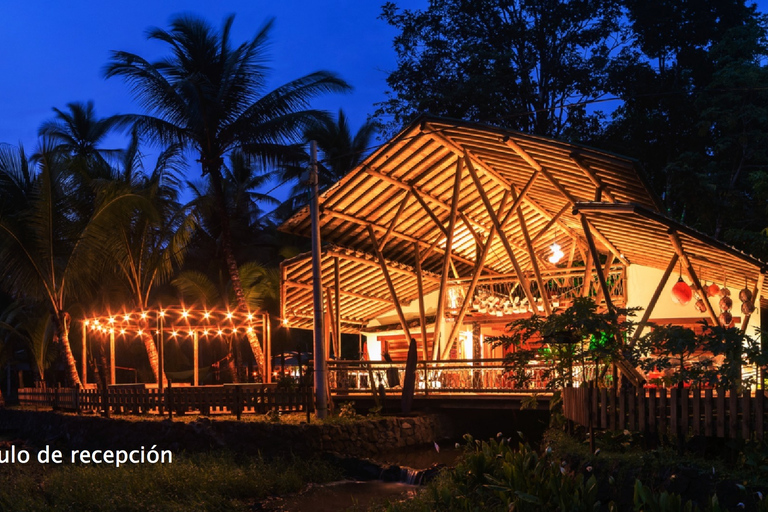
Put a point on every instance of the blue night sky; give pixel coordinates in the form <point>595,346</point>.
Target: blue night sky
<point>53,52</point>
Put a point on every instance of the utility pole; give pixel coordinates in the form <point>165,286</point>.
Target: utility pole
<point>321,391</point>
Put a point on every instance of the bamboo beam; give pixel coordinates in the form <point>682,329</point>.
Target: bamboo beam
<point>678,246</point>
<point>332,321</point>
<point>478,163</point>
<point>596,260</point>
<point>587,281</point>
<point>354,295</point>
<point>589,173</point>
<point>394,220</point>
<point>560,188</point>
<point>552,221</point>
<point>403,236</point>
<point>654,299</point>
<point>422,310</point>
<point>337,300</point>
<point>534,264</point>
<point>446,262</point>
<point>489,208</point>
<point>365,261</point>
<point>429,211</point>
<point>606,273</point>
<point>471,289</point>
<point>390,285</point>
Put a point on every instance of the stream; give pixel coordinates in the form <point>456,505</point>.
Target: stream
<point>400,477</point>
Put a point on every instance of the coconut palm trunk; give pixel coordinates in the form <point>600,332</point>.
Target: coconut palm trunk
<point>232,267</point>
<point>152,354</point>
<point>63,321</point>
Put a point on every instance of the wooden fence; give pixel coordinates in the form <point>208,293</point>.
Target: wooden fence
<point>137,399</point>
<point>709,412</point>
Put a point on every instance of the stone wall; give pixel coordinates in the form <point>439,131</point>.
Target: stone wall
<point>360,437</point>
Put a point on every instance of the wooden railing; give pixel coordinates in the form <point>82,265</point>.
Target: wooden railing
<point>709,412</point>
<point>137,399</point>
<point>432,377</point>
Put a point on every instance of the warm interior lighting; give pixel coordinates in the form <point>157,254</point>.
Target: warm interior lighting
<point>220,332</point>
<point>557,253</point>
<point>143,315</point>
<point>126,317</point>
<point>162,313</point>
<point>173,333</point>
<point>122,331</point>
<point>206,315</point>
<point>249,316</point>
<point>184,313</point>
<point>249,330</point>
<point>205,332</point>
<point>229,316</point>
<point>111,319</point>
<point>140,332</point>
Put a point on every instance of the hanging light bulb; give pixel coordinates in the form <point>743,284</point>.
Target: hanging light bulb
<point>557,253</point>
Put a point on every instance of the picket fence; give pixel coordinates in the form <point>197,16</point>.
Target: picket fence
<point>708,412</point>
<point>137,399</point>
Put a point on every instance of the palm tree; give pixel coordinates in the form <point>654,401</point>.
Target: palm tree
<point>146,250</point>
<point>341,152</point>
<point>49,248</point>
<point>77,134</point>
<point>210,96</point>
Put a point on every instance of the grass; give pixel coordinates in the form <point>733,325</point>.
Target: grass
<point>205,482</point>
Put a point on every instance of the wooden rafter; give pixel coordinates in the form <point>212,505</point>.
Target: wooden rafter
<point>495,176</point>
<point>589,173</point>
<point>346,293</point>
<point>365,261</point>
<point>551,222</point>
<point>337,300</point>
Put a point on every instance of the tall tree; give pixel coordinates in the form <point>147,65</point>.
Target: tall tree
<point>340,151</point>
<point>210,96</point>
<point>49,249</point>
<point>146,250</point>
<point>524,64</point>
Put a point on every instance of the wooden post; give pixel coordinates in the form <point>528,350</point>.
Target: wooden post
<point>436,340</point>
<point>112,356</point>
<point>195,358</point>
<point>268,349</point>
<point>321,391</point>
<point>337,305</point>
<point>84,365</point>
<point>422,314</point>
<point>444,353</point>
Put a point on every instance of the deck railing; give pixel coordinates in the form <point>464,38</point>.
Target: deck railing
<point>709,412</point>
<point>433,377</point>
<point>137,399</point>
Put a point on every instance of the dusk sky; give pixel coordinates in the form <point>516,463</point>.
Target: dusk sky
<point>54,52</point>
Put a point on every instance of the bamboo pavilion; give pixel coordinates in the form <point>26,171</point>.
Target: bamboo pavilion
<point>452,229</point>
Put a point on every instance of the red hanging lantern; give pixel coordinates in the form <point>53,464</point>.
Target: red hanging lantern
<point>681,292</point>
<point>713,290</point>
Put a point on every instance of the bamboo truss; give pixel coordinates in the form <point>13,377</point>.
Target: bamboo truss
<point>450,202</point>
